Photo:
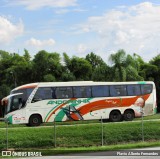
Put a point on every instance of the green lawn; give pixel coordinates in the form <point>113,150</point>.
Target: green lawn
<point>87,136</point>
<point>84,135</point>
<point>151,117</point>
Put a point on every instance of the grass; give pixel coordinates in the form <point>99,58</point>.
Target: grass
<point>80,135</point>
<point>151,117</point>
<point>78,150</point>
<point>72,137</point>
<point>75,150</point>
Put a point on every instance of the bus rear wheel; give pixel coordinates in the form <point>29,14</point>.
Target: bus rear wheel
<point>128,115</point>
<point>115,116</point>
<point>35,120</point>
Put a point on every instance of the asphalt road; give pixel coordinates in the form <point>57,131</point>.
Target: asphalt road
<point>144,153</point>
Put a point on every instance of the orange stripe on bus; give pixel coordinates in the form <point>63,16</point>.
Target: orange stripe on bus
<point>59,107</point>
<point>27,86</point>
<point>107,103</point>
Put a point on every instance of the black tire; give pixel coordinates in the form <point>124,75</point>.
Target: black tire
<point>35,120</point>
<point>128,115</point>
<point>115,116</point>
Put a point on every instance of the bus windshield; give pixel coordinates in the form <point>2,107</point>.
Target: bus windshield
<point>14,102</point>
<point>17,99</point>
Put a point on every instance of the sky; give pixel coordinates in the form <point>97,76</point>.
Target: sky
<point>79,27</point>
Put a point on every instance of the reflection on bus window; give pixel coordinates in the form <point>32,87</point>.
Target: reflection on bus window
<point>100,91</point>
<point>134,90</point>
<point>24,96</point>
<point>146,89</point>
<point>82,92</point>
<point>118,90</point>
<point>64,92</point>
<point>43,93</point>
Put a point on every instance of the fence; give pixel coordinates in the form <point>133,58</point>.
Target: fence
<point>73,134</point>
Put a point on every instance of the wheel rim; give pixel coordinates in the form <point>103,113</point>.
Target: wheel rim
<point>116,116</point>
<point>35,120</point>
<point>128,115</point>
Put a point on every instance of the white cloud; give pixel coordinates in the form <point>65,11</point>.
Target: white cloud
<point>40,44</point>
<point>135,28</point>
<point>37,4</point>
<point>63,11</point>
<point>81,48</point>
<point>9,31</point>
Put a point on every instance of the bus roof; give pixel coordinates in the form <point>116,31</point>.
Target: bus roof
<point>86,83</point>
<point>31,85</point>
<point>77,83</point>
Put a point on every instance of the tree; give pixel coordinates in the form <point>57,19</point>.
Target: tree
<point>40,65</point>
<point>79,67</point>
<point>124,66</point>
<point>94,60</point>
<point>155,73</point>
<point>102,73</point>
<point>49,78</point>
<point>119,63</point>
<point>54,65</point>
<point>26,55</point>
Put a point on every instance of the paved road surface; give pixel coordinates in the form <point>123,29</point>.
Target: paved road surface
<point>108,155</point>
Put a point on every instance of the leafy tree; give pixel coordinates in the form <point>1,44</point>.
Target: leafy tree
<point>4,90</point>
<point>102,73</point>
<point>54,65</point>
<point>119,63</point>
<point>68,76</point>
<point>49,78</point>
<point>124,66</point>
<point>94,60</point>
<point>155,73</point>
<point>79,67</point>
<point>26,55</point>
<point>40,65</point>
<point>19,70</point>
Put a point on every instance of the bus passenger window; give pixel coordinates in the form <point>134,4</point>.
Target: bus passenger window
<point>42,94</point>
<point>100,91</point>
<point>64,92</point>
<point>118,90</point>
<point>146,88</point>
<point>54,93</point>
<point>133,90</point>
<point>82,92</point>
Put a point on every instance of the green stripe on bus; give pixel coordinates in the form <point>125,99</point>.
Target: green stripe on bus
<point>10,119</point>
<point>142,82</point>
<point>61,114</point>
<point>50,112</point>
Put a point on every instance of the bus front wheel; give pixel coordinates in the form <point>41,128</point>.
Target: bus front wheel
<point>35,120</point>
<point>115,116</point>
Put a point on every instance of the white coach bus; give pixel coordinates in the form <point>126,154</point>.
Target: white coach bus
<point>35,103</point>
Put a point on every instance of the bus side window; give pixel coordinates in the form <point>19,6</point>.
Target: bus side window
<point>134,90</point>
<point>63,92</point>
<point>54,93</point>
<point>42,94</point>
<point>82,91</point>
<point>146,88</point>
<point>100,91</point>
<point>118,90</point>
